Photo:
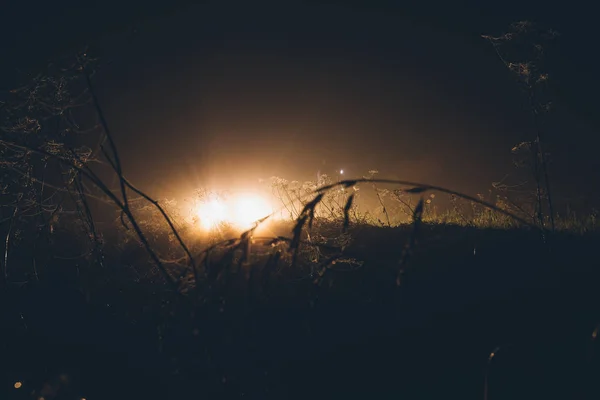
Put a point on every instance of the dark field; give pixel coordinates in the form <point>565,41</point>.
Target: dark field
<point>151,248</point>
<point>465,292</point>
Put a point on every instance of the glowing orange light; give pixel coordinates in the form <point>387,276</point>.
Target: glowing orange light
<point>241,211</point>
<point>211,214</point>
<point>248,209</point>
<point>18,385</point>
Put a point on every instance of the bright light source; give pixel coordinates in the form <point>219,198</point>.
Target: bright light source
<point>212,213</point>
<point>248,209</point>
<point>341,172</point>
<point>241,211</point>
<point>18,385</point>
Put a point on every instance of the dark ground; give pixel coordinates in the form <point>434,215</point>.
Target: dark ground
<point>361,338</point>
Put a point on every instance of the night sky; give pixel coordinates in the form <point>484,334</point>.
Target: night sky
<point>222,95</point>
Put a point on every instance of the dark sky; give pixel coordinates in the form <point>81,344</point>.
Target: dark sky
<point>223,94</point>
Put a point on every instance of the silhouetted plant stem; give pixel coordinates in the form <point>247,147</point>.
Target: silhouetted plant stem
<point>124,184</point>
<point>7,245</point>
<point>542,159</point>
<point>117,160</point>
<point>84,169</point>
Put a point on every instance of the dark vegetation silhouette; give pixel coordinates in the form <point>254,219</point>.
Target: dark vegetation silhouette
<point>469,304</point>
<point>522,50</point>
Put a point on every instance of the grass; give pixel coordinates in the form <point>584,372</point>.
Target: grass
<point>317,300</point>
<point>325,329</point>
<point>406,299</point>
